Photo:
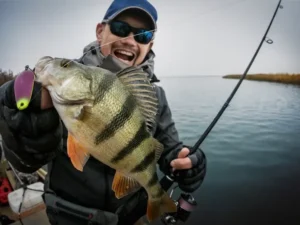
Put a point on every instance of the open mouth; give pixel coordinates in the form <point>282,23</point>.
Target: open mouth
<point>124,55</point>
<point>59,99</point>
<point>42,63</point>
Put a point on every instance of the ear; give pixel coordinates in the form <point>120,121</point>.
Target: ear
<point>150,45</point>
<point>99,31</point>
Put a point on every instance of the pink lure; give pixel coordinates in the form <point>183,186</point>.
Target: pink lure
<point>23,88</point>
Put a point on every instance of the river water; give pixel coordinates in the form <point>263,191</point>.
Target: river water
<point>253,151</point>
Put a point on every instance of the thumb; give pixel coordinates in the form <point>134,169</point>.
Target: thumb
<point>40,98</point>
<point>183,153</point>
<point>181,160</point>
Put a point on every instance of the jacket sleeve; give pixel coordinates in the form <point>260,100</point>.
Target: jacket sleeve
<point>30,138</point>
<point>166,133</point>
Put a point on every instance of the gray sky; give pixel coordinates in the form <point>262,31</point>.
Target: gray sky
<point>195,37</point>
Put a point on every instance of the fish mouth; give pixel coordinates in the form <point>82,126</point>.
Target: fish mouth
<point>58,99</point>
<point>124,55</point>
<point>42,63</point>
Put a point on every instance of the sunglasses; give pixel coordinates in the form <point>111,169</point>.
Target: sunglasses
<point>122,29</point>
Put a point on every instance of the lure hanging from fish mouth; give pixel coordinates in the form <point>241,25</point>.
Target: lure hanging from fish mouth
<point>25,81</point>
<point>23,88</point>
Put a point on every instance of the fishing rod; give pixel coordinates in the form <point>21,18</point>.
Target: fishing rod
<point>186,203</point>
<point>135,207</point>
<point>209,128</point>
<point>167,181</point>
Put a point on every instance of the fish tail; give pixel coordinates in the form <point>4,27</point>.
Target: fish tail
<point>158,207</point>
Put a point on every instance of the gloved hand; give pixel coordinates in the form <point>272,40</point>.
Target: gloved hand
<point>30,137</point>
<point>189,180</point>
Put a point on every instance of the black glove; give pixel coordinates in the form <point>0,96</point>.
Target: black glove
<point>191,179</point>
<point>31,137</point>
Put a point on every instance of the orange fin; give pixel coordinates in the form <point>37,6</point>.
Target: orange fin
<point>78,154</point>
<point>157,208</point>
<point>123,185</point>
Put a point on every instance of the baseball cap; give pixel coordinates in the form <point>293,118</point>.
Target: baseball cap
<point>119,6</point>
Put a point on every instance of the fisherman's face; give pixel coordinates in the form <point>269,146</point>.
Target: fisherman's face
<point>126,49</point>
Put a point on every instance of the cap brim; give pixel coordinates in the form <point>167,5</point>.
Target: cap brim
<point>132,7</point>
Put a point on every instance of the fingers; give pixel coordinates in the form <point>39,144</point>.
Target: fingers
<point>183,153</point>
<point>46,101</point>
<point>181,164</point>
<point>40,98</point>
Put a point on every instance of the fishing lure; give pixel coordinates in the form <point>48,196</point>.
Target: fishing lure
<point>23,93</point>
<point>23,88</point>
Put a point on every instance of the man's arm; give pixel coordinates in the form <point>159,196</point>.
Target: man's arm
<point>32,137</point>
<point>166,133</point>
<point>191,168</point>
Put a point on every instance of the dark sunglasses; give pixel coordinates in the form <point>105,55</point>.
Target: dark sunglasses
<point>123,29</point>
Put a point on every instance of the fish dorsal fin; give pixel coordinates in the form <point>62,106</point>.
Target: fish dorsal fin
<point>138,84</point>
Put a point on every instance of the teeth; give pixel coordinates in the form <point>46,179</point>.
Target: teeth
<point>125,52</point>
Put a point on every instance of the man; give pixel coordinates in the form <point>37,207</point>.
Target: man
<point>38,137</point>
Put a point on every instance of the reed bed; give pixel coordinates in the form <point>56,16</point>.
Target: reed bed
<point>5,76</point>
<point>285,78</point>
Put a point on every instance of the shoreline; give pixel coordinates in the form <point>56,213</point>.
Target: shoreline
<point>283,78</point>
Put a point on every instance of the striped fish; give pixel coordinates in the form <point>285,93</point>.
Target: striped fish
<point>109,117</point>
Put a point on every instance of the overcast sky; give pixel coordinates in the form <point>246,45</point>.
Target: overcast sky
<point>195,37</point>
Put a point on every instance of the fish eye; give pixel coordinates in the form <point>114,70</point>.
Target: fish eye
<point>65,63</point>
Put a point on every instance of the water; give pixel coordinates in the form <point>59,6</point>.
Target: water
<point>253,151</point>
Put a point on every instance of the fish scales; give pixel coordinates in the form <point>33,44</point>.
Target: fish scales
<point>105,96</point>
<point>108,117</point>
<point>123,121</point>
<point>121,115</point>
<point>137,145</point>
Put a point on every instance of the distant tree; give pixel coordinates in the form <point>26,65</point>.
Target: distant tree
<point>5,76</point>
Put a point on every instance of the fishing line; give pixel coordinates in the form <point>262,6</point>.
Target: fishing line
<point>154,30</point>
<point>226,104</point>
<point>98,47</point>
<point>166,178</point>
<point>108,43</point>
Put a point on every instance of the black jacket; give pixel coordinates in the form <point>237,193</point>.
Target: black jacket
<point>92,187</point>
